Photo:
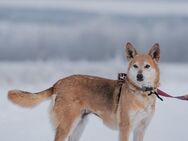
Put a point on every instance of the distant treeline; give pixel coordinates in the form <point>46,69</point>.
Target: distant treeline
<point>87,36</point>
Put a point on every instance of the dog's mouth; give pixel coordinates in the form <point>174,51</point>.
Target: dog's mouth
<point>147,88</point>
<point>140,79</point>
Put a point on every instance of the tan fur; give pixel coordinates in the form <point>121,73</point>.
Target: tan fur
<point>79,95</point>
<point>27,99</point>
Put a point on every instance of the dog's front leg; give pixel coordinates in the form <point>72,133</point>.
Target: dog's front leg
<point>124,117</point>
<point>138,134</point>
<point>124,131</point>
<point>139,131</point>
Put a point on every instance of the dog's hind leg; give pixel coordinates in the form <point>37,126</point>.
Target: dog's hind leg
<point>67,118</point>
<point>79,128</point>
<point>66,126</point>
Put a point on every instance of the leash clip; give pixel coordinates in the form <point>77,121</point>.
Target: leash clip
<point>122,76</point>
<point>154,91</point>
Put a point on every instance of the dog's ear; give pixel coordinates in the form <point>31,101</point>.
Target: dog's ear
<point>130,51</point>
<point>154,52</point>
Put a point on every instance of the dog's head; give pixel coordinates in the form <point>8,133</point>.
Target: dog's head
<point>143,69</point>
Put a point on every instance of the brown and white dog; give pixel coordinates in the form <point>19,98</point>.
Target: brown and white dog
<point>130,109</point>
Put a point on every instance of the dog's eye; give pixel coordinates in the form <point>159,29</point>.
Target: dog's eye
<point>147,66</point>
<point>135,66</point>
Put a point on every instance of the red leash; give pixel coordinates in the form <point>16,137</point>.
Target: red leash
<point>162,93</point>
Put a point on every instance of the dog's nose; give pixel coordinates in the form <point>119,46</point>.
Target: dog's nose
<point>140,77</point>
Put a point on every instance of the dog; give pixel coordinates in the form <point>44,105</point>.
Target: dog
<point>126,107</point>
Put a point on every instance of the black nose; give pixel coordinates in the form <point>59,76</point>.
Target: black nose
<point>140,77</point>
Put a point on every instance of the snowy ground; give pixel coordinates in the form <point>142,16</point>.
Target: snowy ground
<point>19,124</point>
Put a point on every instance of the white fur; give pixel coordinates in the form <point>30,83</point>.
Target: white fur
<point>73,127</point>
<point>140,119</point>
<point>149,75</point>
<point>132,73</point>
<point>77,129</point>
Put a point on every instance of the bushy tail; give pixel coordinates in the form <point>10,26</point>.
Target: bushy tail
<point>27,99</point>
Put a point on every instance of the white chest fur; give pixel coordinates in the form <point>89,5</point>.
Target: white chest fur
<point>142,116</point>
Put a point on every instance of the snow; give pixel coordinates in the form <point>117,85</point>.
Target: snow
<point>34,124</point>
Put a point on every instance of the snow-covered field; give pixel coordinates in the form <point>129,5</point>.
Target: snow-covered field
<point>19,124</point>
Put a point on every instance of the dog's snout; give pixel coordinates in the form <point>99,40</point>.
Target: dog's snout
<point>140,77</point>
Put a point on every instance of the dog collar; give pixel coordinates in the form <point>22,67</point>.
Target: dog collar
<point>152,91</point>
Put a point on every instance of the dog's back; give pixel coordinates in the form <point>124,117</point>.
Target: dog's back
<point>76,86</point>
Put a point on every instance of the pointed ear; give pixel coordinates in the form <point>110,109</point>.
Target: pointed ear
<point>130,51</point>
<point>155,52</point>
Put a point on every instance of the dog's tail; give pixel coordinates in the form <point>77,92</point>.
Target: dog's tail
<point>27,99</point>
